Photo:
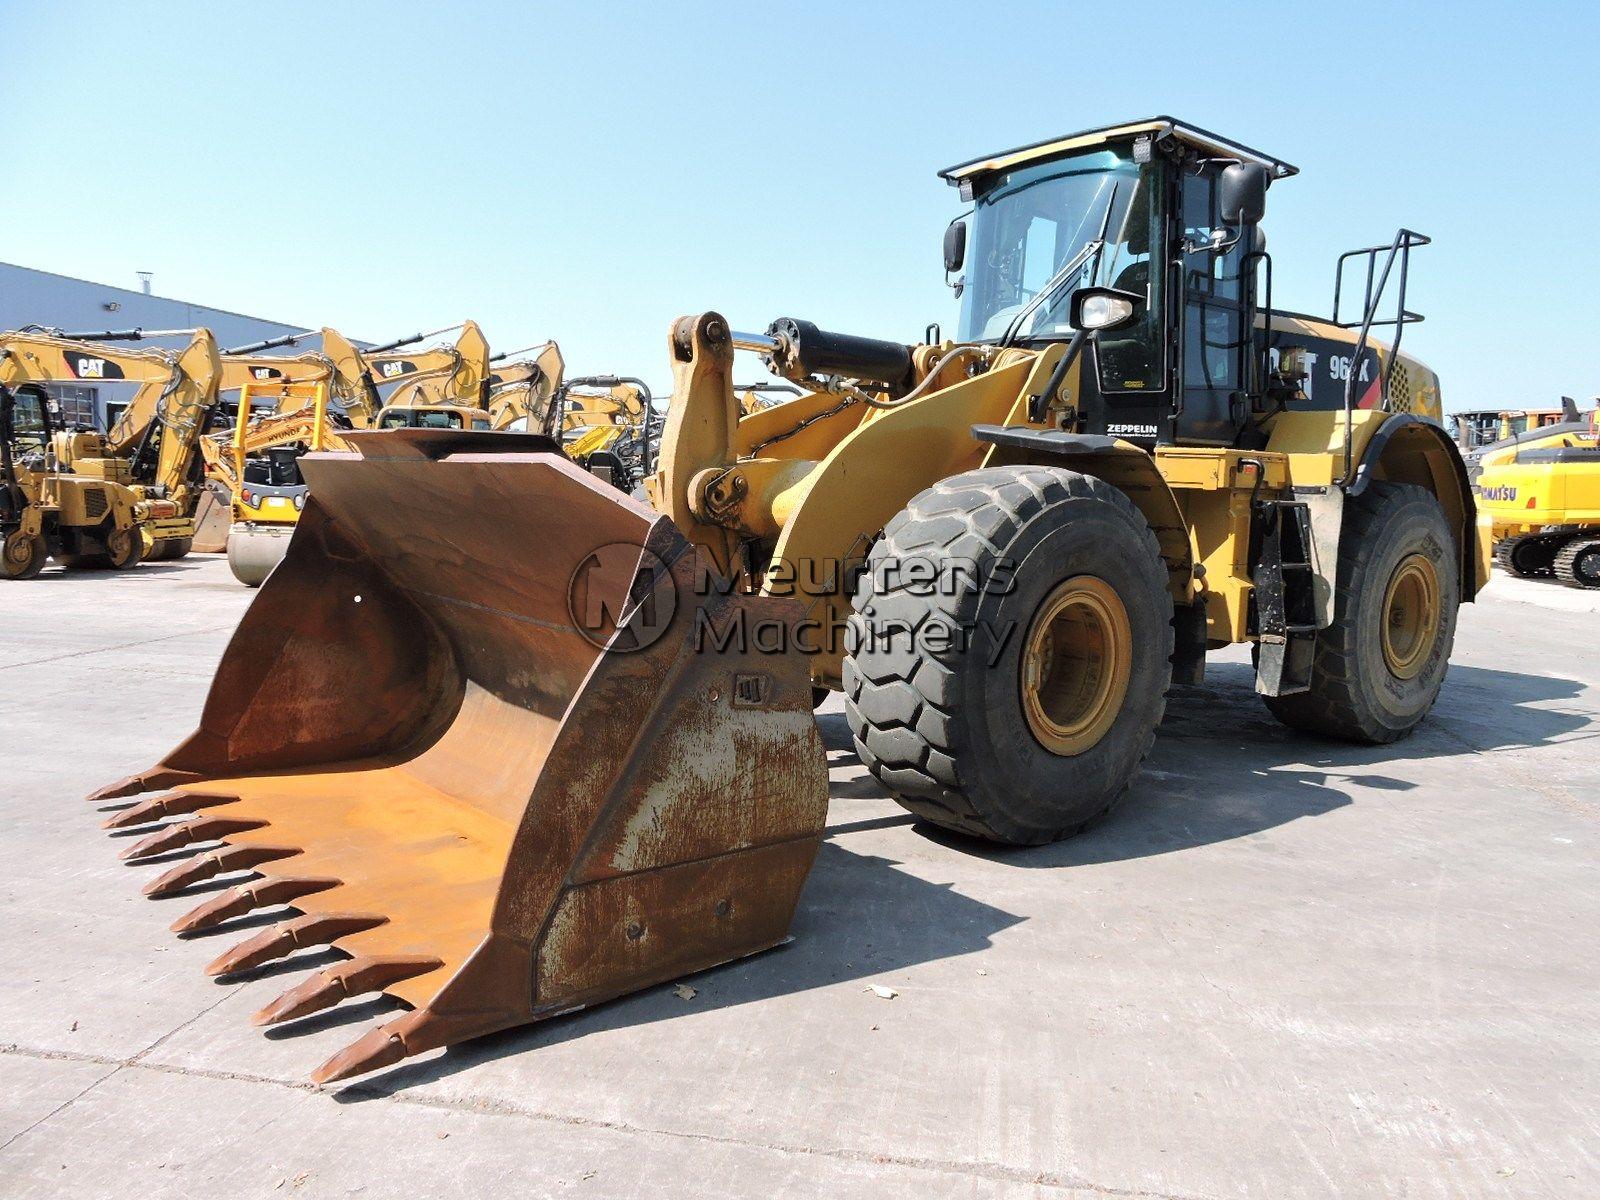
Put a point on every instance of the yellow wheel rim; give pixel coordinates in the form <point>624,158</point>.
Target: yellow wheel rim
<point>1410,616</point>
<point>1076,665</point>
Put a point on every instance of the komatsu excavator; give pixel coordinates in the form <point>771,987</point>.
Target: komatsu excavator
<point>1540,490</point>
<point>517,743</point>
<point>112,499</point>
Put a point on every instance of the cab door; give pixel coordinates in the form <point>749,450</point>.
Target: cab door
<point>1216,317</point>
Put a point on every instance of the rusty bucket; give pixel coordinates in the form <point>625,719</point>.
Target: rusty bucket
<point>471,732</point>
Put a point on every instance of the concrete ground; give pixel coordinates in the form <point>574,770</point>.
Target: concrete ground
<point>1283,968</point>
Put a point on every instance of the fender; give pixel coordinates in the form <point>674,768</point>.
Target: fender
<point>1410,449</point>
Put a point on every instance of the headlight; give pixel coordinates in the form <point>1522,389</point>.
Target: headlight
<point>299,499</point>
<point>1104,312</point>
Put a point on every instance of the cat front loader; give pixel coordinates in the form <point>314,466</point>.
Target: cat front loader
<point>516,742</point>
<point>112,499</point>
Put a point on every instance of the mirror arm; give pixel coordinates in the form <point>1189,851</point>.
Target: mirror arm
<point>1040,404</point>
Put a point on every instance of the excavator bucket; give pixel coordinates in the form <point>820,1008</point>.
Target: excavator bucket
<point>474,734</point>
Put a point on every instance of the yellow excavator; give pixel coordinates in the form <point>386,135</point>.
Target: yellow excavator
<point>1540,489</point>
<point>442,387</point>
<point>517,743</point>
<point>520,388</point>
<point>258,460</point>
<point>608,425</point>
<point>88,498</point>
<point>283,405</point>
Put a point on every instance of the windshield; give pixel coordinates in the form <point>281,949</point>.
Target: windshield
<point>411,418</point>
<point>1045,230</point>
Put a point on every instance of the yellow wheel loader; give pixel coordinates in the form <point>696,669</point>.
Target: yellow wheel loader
<point>1540,490</point>
<point>102,499</point>
<point>517,743</point>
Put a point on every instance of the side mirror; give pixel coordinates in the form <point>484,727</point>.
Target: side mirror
<point>955,246</point>
<point>1092,309</point>
<point>1242,193</point>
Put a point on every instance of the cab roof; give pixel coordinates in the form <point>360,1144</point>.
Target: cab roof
<point>1203,139</point>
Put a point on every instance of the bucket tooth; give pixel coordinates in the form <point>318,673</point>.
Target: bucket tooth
<point>169,805</point>
<point>237,901</point>
<point>144,781</point>
<point>342,980</point>
<point>217,862</point>
<point>315,929</point>
<point>377,1049</point>
<point>174,837</point>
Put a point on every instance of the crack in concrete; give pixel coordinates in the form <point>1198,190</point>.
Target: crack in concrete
<point>166,637</point>
<point>976,1169</point>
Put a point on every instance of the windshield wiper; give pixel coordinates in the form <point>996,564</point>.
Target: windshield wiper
<point>1068,270</point>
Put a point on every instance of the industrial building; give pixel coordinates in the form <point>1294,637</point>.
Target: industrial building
<point>32,297</point>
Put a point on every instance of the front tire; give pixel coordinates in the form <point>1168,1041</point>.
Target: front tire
<point>1032,673</point>
<point>1378,667</point>
<point>170,549</point>
<point>124,549</point>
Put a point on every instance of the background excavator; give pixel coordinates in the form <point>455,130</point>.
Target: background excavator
<point>608,425</point>
<point>308,401</point>
<point>520,388</point>
<point>1540,489</point>
<point>517,743</point>
<point>102,499</point>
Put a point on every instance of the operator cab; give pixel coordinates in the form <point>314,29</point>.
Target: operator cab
<point>1147,235</point>
<point>442,416</point>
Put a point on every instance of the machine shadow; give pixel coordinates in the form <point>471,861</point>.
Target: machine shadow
<point>1222,768</point>
<point>55,571</point>
<point>850,925</point>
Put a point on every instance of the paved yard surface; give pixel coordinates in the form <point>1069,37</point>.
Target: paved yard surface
<point>1283,968</point>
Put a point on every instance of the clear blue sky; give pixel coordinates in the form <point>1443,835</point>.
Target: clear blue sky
<point>588,172</point>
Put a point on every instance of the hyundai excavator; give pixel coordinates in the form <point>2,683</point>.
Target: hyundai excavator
<point>111,499</point>
<point>259,460</point>
<point>516,743</point>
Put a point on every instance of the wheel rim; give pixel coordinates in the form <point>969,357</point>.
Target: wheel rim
<point>20,551</point>
<point>1410,616</point>
<point>122,546</point>
<point>1076,665</point>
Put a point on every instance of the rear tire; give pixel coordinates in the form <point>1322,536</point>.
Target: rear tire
<point>23,555</point>
<point>1578,563</point>
<point>1378,668</point>
<point>1058,581</point>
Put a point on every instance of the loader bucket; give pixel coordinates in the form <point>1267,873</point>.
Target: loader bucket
<point>498,809</point>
